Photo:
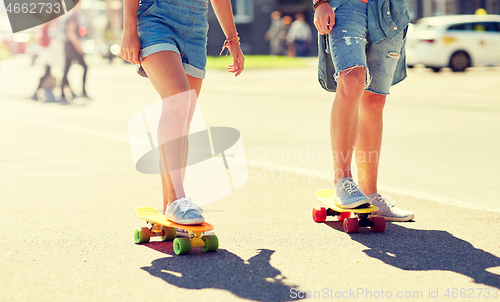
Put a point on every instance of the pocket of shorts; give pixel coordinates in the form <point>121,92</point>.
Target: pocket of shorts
<point>147,10</point>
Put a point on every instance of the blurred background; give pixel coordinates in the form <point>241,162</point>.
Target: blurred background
<point>103,22</point>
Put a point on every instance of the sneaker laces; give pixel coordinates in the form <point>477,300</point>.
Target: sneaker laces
<point>386,200</point>
<point>185,204</point>
<point>351,187</point>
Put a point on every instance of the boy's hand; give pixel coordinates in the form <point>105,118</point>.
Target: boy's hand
<point>324,18</point>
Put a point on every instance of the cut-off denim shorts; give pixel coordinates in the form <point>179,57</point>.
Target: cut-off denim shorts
<point>175,25</point>
<point>350,46</point>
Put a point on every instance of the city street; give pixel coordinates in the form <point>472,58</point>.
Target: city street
<point>69,187</point>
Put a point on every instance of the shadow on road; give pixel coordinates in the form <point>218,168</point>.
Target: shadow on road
<point>254,279</point>
<point>422,250</point>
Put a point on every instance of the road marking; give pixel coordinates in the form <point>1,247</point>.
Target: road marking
<point>284,168</point>
<point>389,189</point>
<point>66,127</point>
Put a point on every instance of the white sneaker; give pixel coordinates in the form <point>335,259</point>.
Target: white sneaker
<point>388,210</point>
<point>184,211</point>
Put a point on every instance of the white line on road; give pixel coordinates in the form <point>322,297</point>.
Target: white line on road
<point>315,175</point>
<point>66,127</point>
<point>289,169</point>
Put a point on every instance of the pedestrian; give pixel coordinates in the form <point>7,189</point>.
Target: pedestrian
<point>273,34</point>
<point>47,58</point>
<point>286,22</point>
<point>73,52</point>
<point>168,40</point>
<point>299,36</point>
<point>361,54</point>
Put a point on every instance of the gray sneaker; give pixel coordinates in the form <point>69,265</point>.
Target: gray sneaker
<point>184,211</point>
<point>388,210</point>
<point>348,195</point>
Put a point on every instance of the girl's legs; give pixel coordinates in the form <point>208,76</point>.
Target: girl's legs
<point>179,94</point>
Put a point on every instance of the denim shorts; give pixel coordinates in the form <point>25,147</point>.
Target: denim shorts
<point>350,46</point>
<point>175,25</point>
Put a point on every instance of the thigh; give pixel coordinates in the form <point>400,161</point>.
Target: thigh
<point>195,83</point>
<point>348,39</point>
<point>166,73</point>
<point>382,59</point>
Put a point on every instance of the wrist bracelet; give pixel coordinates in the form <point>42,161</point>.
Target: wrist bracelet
<point>319,2</point>
<point>230,41</point>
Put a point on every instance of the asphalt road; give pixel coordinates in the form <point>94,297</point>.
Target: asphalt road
<point>68,190</point>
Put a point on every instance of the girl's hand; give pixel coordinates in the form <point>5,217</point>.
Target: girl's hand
<point>324,18</point>
<point>130,47</point>
<point>238,59</point>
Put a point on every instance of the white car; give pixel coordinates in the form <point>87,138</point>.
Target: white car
<point>457,41</point>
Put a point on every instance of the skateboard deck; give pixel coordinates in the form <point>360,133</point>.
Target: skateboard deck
<point>351,225</point>
<point>167,230</point>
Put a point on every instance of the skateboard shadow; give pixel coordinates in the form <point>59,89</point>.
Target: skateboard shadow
<point>254,279</point>
<point>422,250</point>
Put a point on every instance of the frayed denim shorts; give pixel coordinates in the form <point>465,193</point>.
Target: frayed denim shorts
<point>175,25</point>
<point>349,46</point>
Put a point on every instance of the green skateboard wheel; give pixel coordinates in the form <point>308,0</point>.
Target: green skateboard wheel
<point>211,243</point>
<point>182,246</point>
<point>141,235</point>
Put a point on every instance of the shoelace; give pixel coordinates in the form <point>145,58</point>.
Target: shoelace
<point>387,202</point>
<point>186,205</point>
<point>351,187</point>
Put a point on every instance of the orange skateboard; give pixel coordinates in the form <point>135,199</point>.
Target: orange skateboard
<point>167,231</point>
<point>351,225</point>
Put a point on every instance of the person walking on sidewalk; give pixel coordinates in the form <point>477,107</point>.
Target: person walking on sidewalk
<point>273,34</point>
<point>74,52</point>
<point>168,40</point>
<point>299,36</point>
<point>47,57</point>
<point>361,54</point>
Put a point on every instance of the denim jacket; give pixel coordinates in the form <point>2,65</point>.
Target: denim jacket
<point>386,19</point>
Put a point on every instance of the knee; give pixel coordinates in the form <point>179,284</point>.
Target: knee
<point>373,103</point>
<point>177,106</point>
<point>352,79</point>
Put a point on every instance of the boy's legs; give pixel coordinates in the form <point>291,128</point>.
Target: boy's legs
<point>347,43</point>
<point>382,59</point>
<point>369,140</point>
<point>344,119</point>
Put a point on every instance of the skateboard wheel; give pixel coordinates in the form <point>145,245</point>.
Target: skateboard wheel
<point>169,234</point>
<point>319,215</point>
<point>351,225</point>
<point>343,215</point>
<point>211,243</point>
<point>378,224</point>
<point>141,235</point>
<point>182,246</point>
